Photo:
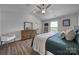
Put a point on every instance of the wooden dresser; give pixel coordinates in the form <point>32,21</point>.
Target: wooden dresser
<point>28,34</point>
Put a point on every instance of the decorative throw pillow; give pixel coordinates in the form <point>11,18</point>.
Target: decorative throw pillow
<point>77,37</point>
<point>70,35</point>
<point>62,34</point>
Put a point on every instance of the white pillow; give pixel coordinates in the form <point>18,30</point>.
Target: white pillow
<point>70,35</point>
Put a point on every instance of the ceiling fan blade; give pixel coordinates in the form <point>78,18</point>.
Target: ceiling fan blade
<point>48,6</point>
<point>39,7</point>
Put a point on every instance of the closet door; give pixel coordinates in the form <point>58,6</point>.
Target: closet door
<point>45,27</point>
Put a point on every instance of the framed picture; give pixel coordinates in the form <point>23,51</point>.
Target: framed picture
<point>66,22</point>
<point>28,25</point>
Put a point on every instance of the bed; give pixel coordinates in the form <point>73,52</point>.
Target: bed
<point>39,42</point>
<point>52,43</point>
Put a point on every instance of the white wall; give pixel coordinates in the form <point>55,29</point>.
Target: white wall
<point>0,24</point>
<point>73,21</point>
<point>78,18</point>
<point>14,21</point>
<point>36,22</point>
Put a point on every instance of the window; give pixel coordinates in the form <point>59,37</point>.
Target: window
<point>54,26</point>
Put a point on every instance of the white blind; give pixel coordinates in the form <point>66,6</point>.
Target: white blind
<point>54,24</point>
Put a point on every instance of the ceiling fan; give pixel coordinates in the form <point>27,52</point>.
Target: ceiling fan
<point>43,7</point>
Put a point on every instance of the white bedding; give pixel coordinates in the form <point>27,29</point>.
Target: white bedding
<point>40,41</point>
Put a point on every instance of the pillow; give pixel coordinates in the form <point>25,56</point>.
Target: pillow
<point>77,38</point>
<point>70,35</point>
<point>62,34</point>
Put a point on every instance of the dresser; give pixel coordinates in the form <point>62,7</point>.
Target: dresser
<point>28,34</point>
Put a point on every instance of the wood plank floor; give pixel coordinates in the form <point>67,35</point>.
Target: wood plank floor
<point>17,48</point>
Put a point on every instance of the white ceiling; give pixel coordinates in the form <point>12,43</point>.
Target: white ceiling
<point>53,11</point>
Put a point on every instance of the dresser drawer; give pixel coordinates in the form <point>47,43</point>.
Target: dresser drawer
<point>29,34</point>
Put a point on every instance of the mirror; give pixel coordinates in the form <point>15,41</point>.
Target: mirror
<point>28,25</point>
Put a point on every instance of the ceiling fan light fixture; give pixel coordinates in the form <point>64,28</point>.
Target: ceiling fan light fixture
<point>43,7</point>
<point>43,11</point>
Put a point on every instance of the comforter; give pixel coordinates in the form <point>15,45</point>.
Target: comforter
<point>60,46</point>
<point>39,42</point>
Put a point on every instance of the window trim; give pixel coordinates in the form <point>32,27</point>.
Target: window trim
<point>53,27</point>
